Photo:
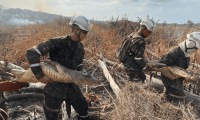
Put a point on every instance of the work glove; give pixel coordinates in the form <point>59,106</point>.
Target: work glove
<point>148,69</point>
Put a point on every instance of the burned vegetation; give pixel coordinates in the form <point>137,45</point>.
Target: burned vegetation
<point>129,101</point>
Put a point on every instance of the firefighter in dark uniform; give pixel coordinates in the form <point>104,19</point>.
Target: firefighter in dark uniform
<point>69,52</point>
<point>134,63</point>
<point>180,57</point>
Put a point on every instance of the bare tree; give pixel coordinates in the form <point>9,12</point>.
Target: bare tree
<point>190,23</point>
<point>164,23</point>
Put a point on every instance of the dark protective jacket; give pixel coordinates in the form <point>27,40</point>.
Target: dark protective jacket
<point>135,58</point>
<point>175,57</point>
<point>64,51</point>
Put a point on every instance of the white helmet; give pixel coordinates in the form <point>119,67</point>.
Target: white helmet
<point>195,36</point>
<point>149,23</point>
<point>82,22</point>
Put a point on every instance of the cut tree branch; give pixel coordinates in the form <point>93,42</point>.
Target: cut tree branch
<point>111,81</point>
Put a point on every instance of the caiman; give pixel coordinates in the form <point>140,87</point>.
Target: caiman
<point>58,73</point>
<point>173,72</point>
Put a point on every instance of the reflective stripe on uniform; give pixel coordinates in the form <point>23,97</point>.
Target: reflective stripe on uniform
<point>35,65</point>
<point>79,65</point>
<point>135,79</point>
<point>51,110</point>
<point>36,49</point>
<point>84,116</point>
<point>132,69</point>
<point>176,96</point>
<point>144,67</point>
<point>137,58</point>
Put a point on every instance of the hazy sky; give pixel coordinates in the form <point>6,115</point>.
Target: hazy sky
<point>169,10</point>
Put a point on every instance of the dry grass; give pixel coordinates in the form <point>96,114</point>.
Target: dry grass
<point>110,38</point>
<point>138,103</point>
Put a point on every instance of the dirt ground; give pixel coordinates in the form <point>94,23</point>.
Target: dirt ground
<point>30,108</point>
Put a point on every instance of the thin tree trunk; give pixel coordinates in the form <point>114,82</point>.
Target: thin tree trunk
<point>111,81</point>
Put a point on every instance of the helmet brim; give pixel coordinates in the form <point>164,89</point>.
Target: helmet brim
<point>88,27</point>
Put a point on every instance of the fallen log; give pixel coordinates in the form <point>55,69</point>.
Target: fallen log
<point>24,95</point>
<point>100,51</point>
<point>113,85</point>
<point>28,90</point>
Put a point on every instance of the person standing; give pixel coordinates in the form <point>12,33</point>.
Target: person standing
<point>69,52</point>
<point>180,57</point>
<point>132,50</point>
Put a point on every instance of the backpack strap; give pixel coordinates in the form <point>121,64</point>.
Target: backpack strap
<point>135,37</point>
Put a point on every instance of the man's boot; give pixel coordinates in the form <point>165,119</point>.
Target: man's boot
<point>50,114</point>
<point>173,95</point>
<point>87,117</point>
<point>176,95</point>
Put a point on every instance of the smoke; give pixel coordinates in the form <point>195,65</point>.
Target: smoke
<point>73,14</point>
<point>40,6</point>
<point>35,5</point>
<point>43,5</point>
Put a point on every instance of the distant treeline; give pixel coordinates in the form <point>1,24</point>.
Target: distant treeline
<point>9,15</point>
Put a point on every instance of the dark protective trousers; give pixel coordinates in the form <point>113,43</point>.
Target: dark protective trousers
<point>174,86</point>
<point>74,97</point>
<point>136,74</point>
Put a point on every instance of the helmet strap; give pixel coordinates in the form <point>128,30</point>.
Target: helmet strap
<point>78,35</point>
<point>72,30</point>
